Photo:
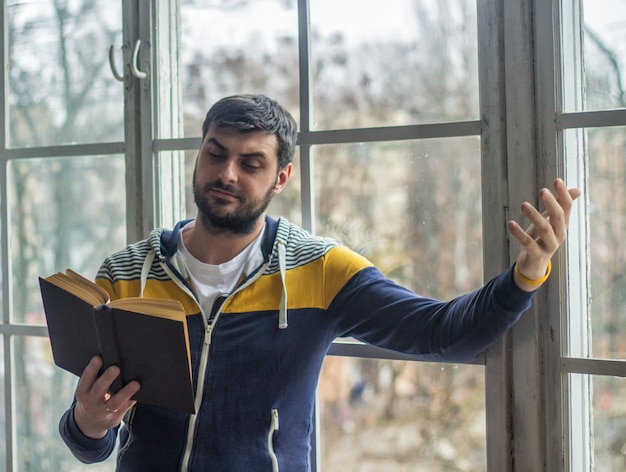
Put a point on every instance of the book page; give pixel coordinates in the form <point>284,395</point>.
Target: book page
<point>161,307</point>
<point>80,286</point>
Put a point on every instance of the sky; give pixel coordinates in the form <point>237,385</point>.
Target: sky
<point>607,18</point>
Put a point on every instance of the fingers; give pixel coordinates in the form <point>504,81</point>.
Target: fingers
<point>553,227</point>
<point>90,374</point>
<point>520,235</point>
<point>549,227</point>
<point>565,198</point>
<point>121,402</point>
<point>546,232</point>
<point>96,410</point>
<point>92,389</point>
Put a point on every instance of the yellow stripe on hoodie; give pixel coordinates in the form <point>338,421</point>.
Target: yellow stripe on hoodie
<point>313,285</point>
<point>154,289</point>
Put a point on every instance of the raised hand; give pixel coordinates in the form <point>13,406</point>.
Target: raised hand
<point>544,236</point>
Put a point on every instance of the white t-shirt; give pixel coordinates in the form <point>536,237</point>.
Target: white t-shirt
<point>210,281</point>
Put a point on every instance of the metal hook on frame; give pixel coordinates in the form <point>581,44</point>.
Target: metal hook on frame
<point>114,71</point>
<point>133,64</point>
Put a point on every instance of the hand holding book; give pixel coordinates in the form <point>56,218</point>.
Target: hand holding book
<point>96,410</point>
<point>146,338</point>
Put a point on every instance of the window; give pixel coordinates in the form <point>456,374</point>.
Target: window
<point>420,134</point>
<point>63,189</point>
<point>593,62</point>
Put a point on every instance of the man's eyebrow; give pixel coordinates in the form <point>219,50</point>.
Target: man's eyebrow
<point>216,142</point>
<point>255,154</point>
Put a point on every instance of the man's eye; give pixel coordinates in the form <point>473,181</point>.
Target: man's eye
<point>251,167</point>
<point>214,155</point>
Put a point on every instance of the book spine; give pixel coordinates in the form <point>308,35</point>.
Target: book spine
<point>105,324</point>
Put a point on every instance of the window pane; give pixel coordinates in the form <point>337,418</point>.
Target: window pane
<point>401,416</point>
<point>413,208</point>
<point>3,419</point>
<point>607,214</point>
<point>42,393</point>
<point>385,200</point>
<point>605,53</point>
<point>393,63</point>
<point>64,213</point>
<point>237,47</point>
<point>60,88</point>
<point>607,425</point>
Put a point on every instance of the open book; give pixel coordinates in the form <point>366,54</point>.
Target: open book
<point>147,338</point>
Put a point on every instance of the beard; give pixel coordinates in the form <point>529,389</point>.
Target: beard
<point>216,219</point>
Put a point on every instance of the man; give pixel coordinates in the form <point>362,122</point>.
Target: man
<point>264,300</point>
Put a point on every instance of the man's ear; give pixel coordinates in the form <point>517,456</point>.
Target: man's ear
<point>282,178</point>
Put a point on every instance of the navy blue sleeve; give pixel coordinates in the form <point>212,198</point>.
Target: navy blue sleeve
<point>378,311</point>
<point>85,449</point>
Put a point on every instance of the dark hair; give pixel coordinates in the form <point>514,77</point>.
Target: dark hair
<point>248,113</point>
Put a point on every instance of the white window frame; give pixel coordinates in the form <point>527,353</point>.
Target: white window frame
<point>577,393</point>
<point>521,126</point>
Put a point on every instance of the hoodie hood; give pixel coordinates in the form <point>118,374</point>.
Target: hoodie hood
<point>273,258</point>
<point>165,242</point>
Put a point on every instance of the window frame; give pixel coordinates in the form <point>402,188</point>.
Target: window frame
<point>521,127</point>
<point>574,353</point>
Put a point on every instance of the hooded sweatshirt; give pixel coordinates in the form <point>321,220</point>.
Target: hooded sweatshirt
<point>257,356</point>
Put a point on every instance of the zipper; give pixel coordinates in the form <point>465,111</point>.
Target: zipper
<point>204,357</point>
<point>274,426</point>
<point>128,420</point>
<point>204,360</point>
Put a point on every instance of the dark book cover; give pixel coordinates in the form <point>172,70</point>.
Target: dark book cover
<point>150,349</point>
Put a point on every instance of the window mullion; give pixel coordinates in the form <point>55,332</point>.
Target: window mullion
<point>166,119</point>
<point>523,160</point>
<point>577,389</point>
<point>140,211</point>
<point>10,429</point>
<point>306,160</point>
<point>550,165</point>
<point>490,17</point>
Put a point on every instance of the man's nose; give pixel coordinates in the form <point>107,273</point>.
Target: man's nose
<point>228,173</point>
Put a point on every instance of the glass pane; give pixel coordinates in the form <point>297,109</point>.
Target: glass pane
<point>413,208</point>
<point>393,63</point>
<point>607,215</point>
<point>401,416</point>
<point>60,88</point>
<point>64,213</point>
<point>3,419</point>
<point>42,393</point>
<point>605,53</point>
<point>606,437</point>
<point>237,47</point>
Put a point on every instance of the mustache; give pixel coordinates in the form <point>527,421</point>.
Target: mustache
<point>219,185</point>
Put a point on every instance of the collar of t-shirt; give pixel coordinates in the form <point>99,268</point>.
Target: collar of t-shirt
<point>210,281</point>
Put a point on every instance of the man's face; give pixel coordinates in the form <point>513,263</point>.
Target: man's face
<point>235,178</point>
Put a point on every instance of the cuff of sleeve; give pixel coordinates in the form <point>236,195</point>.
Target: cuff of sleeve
<point>509,295</point>
<point>86,449</point>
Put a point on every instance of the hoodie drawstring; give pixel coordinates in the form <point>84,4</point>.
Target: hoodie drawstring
<point>282,264</point>
<point>145,269</point>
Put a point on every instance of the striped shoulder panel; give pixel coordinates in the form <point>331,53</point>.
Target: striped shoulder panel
<point>301,247</point>
<point>314,284</point>
<point>126,264</point>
